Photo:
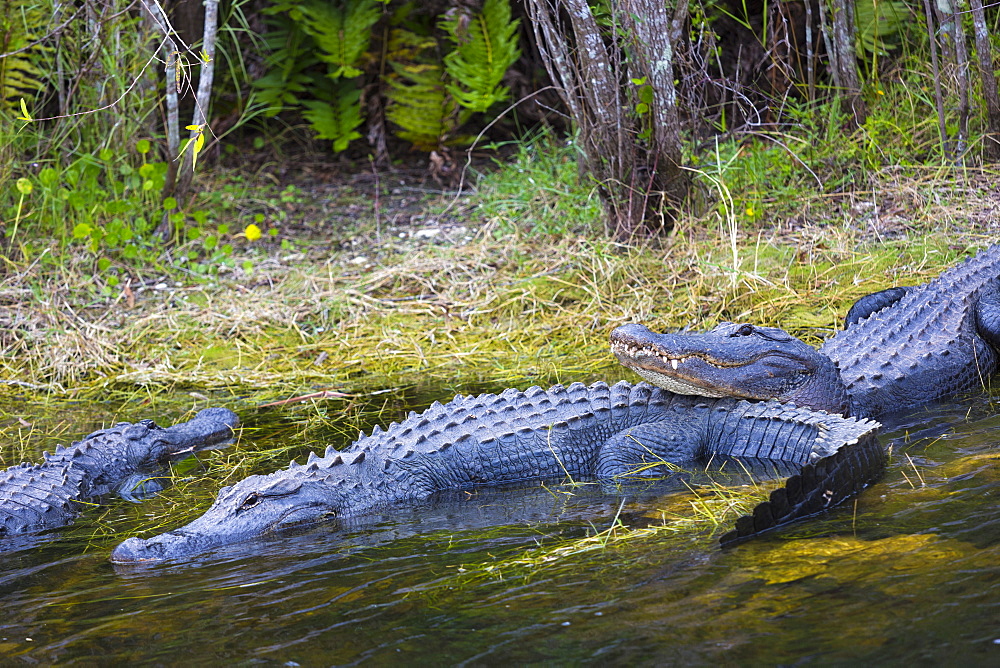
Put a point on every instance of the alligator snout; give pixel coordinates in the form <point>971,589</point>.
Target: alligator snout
<point>211,427</point>
<point>137,550</point>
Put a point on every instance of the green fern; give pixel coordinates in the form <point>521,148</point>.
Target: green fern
<point>878,23</point>
<point>422,107</point>
<point>485,48</point>
<point>338,119</point>
<point>21,74</point>
<point>341,33</point>
<point>291,54</point>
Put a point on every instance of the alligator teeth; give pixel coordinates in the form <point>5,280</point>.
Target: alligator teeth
<point>673,364</point>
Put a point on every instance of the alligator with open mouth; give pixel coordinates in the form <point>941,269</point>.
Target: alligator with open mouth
<point>120,459</point>
<point>576,432</point>
<point>901,348</point>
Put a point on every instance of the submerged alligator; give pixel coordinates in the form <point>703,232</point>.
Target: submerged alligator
<point>902,348</point>
<point>596,432</point>
<point>119,460</point>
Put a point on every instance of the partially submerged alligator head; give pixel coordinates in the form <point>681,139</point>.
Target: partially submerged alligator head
<point>903,347</point>
<point>576,432</point>
<point>34,497</point>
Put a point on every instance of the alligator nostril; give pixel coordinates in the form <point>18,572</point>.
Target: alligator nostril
<point>134,550</point>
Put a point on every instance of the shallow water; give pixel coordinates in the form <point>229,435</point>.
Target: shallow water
<point>910,575</point>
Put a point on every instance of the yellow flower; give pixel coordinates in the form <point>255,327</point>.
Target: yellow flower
<point>750,212</point>
<point>252,232</point>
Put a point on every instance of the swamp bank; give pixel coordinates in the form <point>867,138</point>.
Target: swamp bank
<point>315,334</point>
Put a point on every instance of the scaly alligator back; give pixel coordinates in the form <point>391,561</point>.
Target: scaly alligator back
<point>930,344</point>
<point>576,432</point>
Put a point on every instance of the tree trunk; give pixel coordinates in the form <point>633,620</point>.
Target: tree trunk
<point>984,54</point>
<point>951,26</point>
<point>638,172</point>
<point>936,72</point>
<point>158,18</point>
<point>203,99</point>
<point>846,63</point>
<point>649,25</point>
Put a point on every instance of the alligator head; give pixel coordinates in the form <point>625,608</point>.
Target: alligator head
<point>738,360</point>
<point>120,458</point>
<point>251,508</point>
<point>210,428</point>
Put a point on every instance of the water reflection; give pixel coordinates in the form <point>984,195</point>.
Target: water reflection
<point>909,574</point>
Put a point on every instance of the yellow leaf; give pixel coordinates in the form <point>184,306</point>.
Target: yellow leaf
<point>198,143</point>
<point>193,128</point>
<point>25,116</point>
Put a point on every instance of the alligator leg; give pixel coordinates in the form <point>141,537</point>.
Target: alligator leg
<point>876,301</point>
<point>647,446</point>
<point>760,431</point>
<point>835,458</point>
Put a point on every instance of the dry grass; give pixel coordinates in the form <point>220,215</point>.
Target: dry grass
<point>486,309</point>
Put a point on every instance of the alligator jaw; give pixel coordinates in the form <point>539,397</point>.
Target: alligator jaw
<point>695,374</point>
<point>717,363</point>
<point>674,383</point>
<point>210,428</point>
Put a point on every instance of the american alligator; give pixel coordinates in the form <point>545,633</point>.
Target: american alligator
<point>577,432</point>
<point>902,348</point>
<point>120,459</point>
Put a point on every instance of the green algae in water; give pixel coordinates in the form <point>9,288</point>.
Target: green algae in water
<point>908,575</point>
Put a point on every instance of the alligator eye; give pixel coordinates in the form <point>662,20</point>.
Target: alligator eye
<point>744,330</point>
<point>253,498</point>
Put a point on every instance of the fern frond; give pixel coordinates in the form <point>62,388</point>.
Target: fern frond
<point>418,104</point>
<point>22,75</point>
<point>292,52</point>
<point>341,33</point>
<point>485,48</point>
<point>878,23</point>
<point>338,119</point>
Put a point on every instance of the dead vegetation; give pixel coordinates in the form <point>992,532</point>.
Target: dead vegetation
<point>504,308</point>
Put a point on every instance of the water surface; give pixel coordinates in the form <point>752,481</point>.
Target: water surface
<point>910,574</point>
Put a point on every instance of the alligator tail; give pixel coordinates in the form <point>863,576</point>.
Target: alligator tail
<point>818,487</point>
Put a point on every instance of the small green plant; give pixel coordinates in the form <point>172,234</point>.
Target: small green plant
<point>109,207</point>
<point>24,187</point>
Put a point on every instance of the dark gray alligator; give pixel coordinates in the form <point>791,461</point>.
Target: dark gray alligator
<point>902,348</point>
<point>577,432</point>
<point>119,460</point>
